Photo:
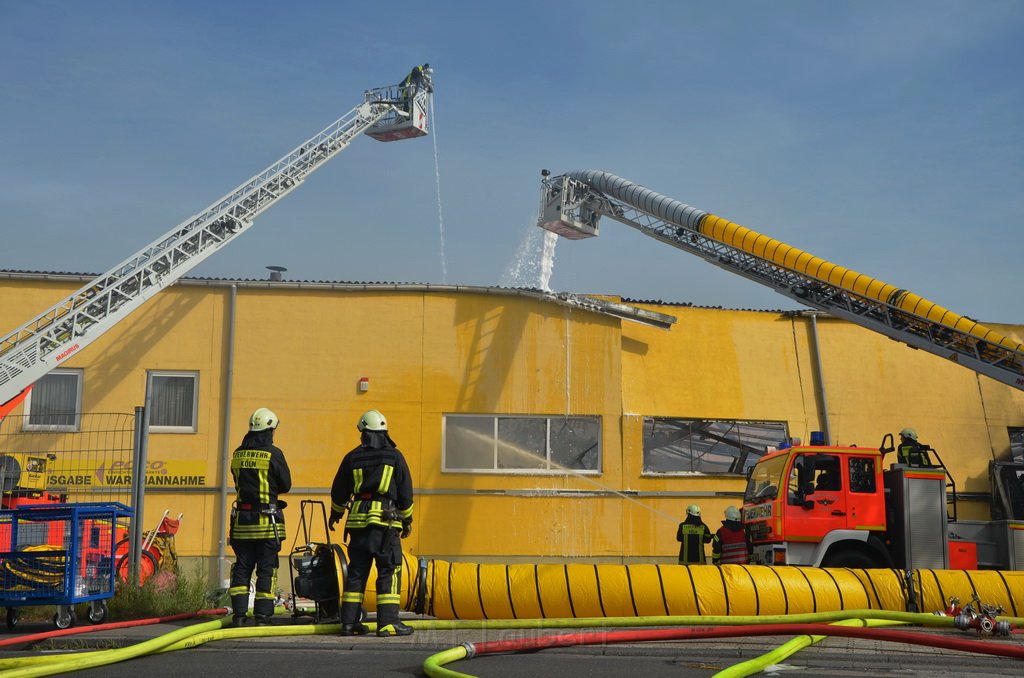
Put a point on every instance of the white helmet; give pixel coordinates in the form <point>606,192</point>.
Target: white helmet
<point>693,510</point>
<point>732,513</point>
<point>372,420</point>
<point>262,419</point>
<point>908,433</point>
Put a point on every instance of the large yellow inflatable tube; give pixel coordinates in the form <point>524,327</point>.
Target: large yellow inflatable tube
<point>783,255</point>
<point>798,260</point>
<point>448,590</point>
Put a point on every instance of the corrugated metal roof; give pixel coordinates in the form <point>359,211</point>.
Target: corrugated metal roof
<point>577,301</point>
<point>343,284</point>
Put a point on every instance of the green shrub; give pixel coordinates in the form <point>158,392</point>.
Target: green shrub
<point>161,595</point>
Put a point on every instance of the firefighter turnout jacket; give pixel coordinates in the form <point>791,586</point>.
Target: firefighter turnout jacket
<point>375,484</point>
<point>729,545</point>
<point>260,473</point>
<point>692,535</point>
<point>914,454</point>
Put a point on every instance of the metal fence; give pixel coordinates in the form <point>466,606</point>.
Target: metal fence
<point>90,463</point>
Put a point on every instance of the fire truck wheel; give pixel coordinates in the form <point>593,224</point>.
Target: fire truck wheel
<point>851,559</point>
<point>65,617</point>
<point>98,611</point>
<point>12,618</point>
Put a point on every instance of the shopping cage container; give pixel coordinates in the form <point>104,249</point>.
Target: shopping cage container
<point>60,554</point>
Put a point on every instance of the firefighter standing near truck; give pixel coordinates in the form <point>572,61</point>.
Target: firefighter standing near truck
<point>910,451</point>
<point>374,485</point>
<point>729,545</point>
<point>261,473</point>
<point>692,535</point>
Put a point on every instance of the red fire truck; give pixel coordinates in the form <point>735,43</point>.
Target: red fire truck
<point>838,507</point>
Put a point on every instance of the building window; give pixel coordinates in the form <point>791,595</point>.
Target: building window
<point>1016,443</point>
<point>173,401</point>
<point>55,402</point>
<point>709,446</point>
<point>521,444</point>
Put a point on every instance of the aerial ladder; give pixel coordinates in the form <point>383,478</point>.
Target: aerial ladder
<point>573,203</point>
<point>59,333</point>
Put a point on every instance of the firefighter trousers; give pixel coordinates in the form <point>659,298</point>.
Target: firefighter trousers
<point>259,555</point>
<point>367,546</point>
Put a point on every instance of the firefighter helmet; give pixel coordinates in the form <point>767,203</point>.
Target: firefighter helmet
<point>372,420</point>
<point>693,510</point>
<point>262,419</point>
<point>732,513</point>
<point>909,433</point>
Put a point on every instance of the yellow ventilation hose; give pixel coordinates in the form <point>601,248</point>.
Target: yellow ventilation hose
<point>493,591</point>
<point>796,259</point>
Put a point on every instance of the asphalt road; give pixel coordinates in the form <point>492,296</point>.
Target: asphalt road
<point>370,657</point>
<point>280,660</point>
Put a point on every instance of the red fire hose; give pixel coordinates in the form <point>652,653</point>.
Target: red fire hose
<point>32,637</point>
<point>914,638</point>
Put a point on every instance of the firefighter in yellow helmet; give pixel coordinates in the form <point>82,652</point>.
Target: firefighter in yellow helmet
<point>374,485</point>
<point>261,473</point>
<point>692,535</point>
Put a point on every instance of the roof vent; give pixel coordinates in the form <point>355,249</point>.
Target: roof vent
<point>276,273</point>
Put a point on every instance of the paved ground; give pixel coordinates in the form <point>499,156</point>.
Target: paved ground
<point>329,655</point>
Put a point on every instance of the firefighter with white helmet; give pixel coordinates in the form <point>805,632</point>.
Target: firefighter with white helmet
<point>692,534</point>
<point>374,485</point>
<point>910,451</point>
<point>261,473</point>
<point>729,545</point>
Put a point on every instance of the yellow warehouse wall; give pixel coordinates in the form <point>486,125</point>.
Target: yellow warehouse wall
<point>301,350</point>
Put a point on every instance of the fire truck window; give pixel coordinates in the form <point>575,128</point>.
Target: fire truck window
<point>862,474</point>
<point>794,483</point>
<point>798,485</point>
<point>827,479</point>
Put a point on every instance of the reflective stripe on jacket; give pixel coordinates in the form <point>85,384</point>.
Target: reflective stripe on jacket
<point>260,473</point>
<point>913,454</point>
<point>692,535</point>
<point>378,483</point>
<point>729,544</point>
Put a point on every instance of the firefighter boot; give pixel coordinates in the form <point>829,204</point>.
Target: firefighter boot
<point>388,623</point>
<point>240,607</point>
<point>350,624</point>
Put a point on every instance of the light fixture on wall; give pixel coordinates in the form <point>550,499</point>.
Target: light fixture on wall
<point>364,384</point>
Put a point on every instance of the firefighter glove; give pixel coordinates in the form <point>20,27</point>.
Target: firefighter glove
<point>335,517</point>
<point>406,527</point>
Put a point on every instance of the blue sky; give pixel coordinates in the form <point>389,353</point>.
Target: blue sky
<point>887,137</point>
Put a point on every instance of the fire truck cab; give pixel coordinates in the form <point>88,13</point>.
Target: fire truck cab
<point>837,507</point>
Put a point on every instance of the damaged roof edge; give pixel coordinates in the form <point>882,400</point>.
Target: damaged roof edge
<point>574,301</point>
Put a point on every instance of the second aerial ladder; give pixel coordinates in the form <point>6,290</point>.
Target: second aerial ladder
<point>573,203</point>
